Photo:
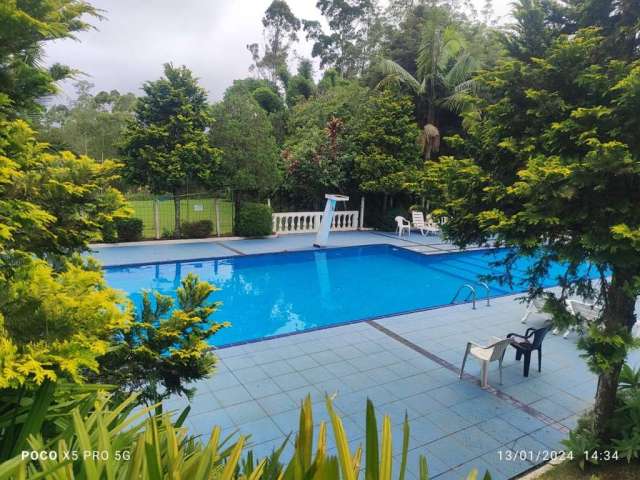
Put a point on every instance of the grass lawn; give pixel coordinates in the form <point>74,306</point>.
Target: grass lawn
<point>609,471</point>
<point>191,209</point>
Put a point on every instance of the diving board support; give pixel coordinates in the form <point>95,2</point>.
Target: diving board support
<point>322,237</point>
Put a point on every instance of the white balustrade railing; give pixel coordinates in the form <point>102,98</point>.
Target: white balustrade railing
<point>309,222</point>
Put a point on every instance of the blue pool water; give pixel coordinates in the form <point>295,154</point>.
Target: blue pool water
<point>274,294</point>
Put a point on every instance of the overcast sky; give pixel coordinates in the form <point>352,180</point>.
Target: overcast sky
<point>208,36</point>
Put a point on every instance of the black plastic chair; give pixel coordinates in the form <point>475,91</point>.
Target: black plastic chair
<point>529,342</point>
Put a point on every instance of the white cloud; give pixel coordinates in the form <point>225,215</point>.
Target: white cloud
<point>208,36</point>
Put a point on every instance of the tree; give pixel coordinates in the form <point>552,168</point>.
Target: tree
<point>443,77</point>
<point>554,173</point>
<point>246,86</point>
<point>56,312</point>
<point>355,30</point>
<point>166,146</point>
<point>280,30</point>
<point>163,347</point>
<point>93,125</point>
<point>301,86</point>
<point>534,29</point>
<point>58,317</point>
<point>330,79</point>
<point>317,156</point>
<point>52,204</point>
<point>619,23</point>
<point>384,142</point>
<point>249,162</point>
<point>24,27</point>
<point>269,100</point>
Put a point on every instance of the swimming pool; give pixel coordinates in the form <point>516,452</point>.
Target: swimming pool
<point>274,294</point>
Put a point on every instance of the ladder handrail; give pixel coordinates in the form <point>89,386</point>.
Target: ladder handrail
<point>486,287</point>
<point>472,293</point>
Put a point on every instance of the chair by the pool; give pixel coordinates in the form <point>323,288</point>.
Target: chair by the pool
<point>403,224</point>
<point>431,225</point>
<point>589,312</point>
<point>486,355</point>
<point>530,342</point>
<point>536,305</point>
<point>426,228</point>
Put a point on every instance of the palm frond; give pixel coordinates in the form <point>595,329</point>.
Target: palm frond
<point>469,87</point>
<point>455,102</point>
<point>394,74</point>
<point>452,43</point>
<point>461,71</point>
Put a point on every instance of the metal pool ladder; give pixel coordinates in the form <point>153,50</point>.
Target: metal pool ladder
<point>472,293</point>
<point>488,290</point>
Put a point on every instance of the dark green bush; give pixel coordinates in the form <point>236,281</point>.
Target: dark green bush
<point>268,99</point>
<point>254,220</point>
<point>129,229</point>
<point>199,229</point>
<point>386,221</point>
<point>109,233</point>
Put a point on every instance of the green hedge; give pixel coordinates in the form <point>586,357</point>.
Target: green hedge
<point>199,229</point>
<point>254,220</point>
<point>129,229</point>
<point>387,221</point>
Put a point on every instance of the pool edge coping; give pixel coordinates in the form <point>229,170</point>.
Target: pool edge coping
<point>301,250</point>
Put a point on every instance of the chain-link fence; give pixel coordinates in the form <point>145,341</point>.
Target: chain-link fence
<point>157,213</point>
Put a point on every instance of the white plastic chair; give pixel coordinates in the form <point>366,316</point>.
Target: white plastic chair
<point>536,305</point>
<point>403,224</point>
<point>486,355</point>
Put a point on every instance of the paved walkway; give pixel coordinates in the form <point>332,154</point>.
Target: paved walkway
<point>174,250</point>
<point>404,363</point>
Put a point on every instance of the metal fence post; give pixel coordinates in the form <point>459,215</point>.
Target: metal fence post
<point>361,218</point>
<point>216,206</point>
<point>156,217</point>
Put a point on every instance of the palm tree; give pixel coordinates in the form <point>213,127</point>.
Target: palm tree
<point>443,79</point>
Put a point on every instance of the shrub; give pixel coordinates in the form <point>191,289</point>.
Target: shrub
<point>149,444</point>
<point>625,423</point>
<point>129,229</point>
<point>55,323</point>
<point>386,221</point>
<point>165,348</point>
<point>254,220</point>
<point>109,233</point>
<point>199,229</point>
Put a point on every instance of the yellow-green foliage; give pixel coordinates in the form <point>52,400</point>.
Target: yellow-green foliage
<point>158,448</point>
<point>52,203</point>
<point>56,314</point>
<point>55,323</point>
<point>164,348</point>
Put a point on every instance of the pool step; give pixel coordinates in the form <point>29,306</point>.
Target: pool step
<point>424,249</point>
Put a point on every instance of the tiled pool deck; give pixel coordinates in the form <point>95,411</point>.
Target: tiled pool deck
<point>402,363</point>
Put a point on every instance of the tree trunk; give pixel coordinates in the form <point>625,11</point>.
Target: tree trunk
<point>178,221</point>
<point>619,313</point>
<point>431,113</point>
